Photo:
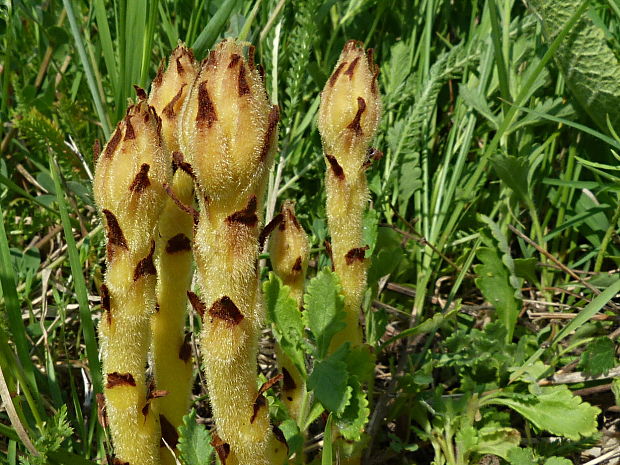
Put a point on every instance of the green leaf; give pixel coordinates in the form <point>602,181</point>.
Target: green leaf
<point>294,438</point>
<point>555,409</point>
<point>513,172</point>
<point>519,456</point>
<point>557,461</point>
<point>352,420</point>
<point>327,458</point>
<point>283,313</point>
<point>361,363</point>
<point>194,441</point>
<point>329,381</point>
<point>525,268</point>
<point>214,27</point>
<point>599,357</point>
<point>497,440</point>
<point>494,283</point>
<point>324,309</point>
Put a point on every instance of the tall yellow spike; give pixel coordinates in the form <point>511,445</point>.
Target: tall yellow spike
<point>172,363</point>
<point>128,188</point>
<point>228,136</point>
<point>348,118</point>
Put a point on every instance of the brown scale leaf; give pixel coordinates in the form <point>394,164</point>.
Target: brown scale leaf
<point>225,309</point>
<point>242,87</point>
<point>187,209</point>
<point>267,230</point>
<point>335,166</point>
<point>185,351</point>
<point>251,53</point>
<point>178,162</point>
<point>119,379</point>
<point>328,249</point>
<point>141,181</point>
<point>269,384</point>
<point>178,243</point>
<point>247,216</point>
<point>160,73</point>
<point>96,151</point>
<point>113,142</point>
<point>296,268</point>
<point>279,435</point>
<point>288,383</point>
<point>206,111</point>
<point>197,304</point>
<point>145,266</point>
<point>101,410</point>
<point>140,92</point>
<point>130,133</point>
<point>168,432</point>
<point>115,233</point>
<point>372,155</point>
<point>351,69</point>
<point>234,59</point>
<point>168,110</point>
<point>274,117</point>
<point>222,448</point>
<point>355,125</point>
<point>258,403</point>
<point>117,461</point>
<point>334,77</point>
<point>356,254</point>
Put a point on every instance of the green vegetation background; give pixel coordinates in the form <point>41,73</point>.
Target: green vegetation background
<point>492,223</point>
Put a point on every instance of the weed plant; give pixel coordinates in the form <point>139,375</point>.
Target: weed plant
<point>490,319</point>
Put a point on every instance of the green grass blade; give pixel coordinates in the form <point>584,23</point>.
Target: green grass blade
<point>107,46</point>
<point>88,69</point>
<point>79,284</point>
<point>11,301</point>
<point>214,27</point>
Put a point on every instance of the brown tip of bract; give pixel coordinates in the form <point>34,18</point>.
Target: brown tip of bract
<point>247,216</point>
<point>115,379</point>
<point>141,181</point>
<point>115,233</point>
<point>222,448</point>
<point>335,166</point>
<point>356,254</point>
<point>225,309</point>
<point>146,266</point>
<point>196,303</point>
<point>178,243</point>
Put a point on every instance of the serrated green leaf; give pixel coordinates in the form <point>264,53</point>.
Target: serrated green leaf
<point>497,440</point>
<point>294,438</point>
<point>352,420</point>
<point>360,363</point>
<point>493,281</point>
<point>194,441</point>
<point>513,172</point>
<point>287,324</point>
<point>557,461</point>
<point>324,309</point>
<point>557,410</point>
<point>599,357</point>
<point>521,456</point>
<point>329,381</point>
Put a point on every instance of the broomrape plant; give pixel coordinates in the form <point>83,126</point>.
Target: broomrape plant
<point>209,132</point>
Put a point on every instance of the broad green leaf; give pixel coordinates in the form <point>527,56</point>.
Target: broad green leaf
<point>352,420</point>
<point>599,357</point>
<point>525,268</point>
<point>557,410</point>
<point>324,309</point>
<point>513,172</point>
<point>584,58</point>
<point>329,381</point>
<point>194,441</point>
<point>493,281</point>
<point>286,319</point>
<point>557,461</point>
<point>294,438</point>
<point>521,456</point>
<point>360,363</point>
<point>497,440</point>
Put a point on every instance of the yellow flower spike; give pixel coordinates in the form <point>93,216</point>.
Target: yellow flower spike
<point>128,189</point>
<point>289,250</point>
<point>172,364</point>
<point>348,118</point>
<point>228,136</point>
